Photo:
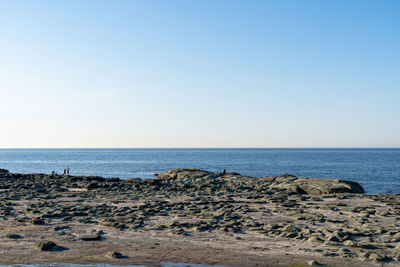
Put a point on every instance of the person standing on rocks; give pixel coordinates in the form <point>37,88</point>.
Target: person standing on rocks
<point>67,170</point>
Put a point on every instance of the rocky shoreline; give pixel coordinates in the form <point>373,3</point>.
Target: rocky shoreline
<point>190,215</point>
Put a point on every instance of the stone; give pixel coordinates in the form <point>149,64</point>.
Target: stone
<point>315,186</point>
<point>378,258</point>
<point>37,221</point>
<point>315,239</point>
<point>336,236</point>
<point>4,172</point>
<point>114,254</point>
<point>45,245</point>
<point>61,228</point>
<point>94,237</point>
<point>14,236</point>
<point>314,263</point>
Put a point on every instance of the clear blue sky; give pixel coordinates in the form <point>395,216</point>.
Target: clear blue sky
<point>199,73</point>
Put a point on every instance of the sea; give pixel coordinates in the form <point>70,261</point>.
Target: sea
<point>377,170</point>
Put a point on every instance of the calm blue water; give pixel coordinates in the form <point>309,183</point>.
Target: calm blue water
<point>377,170</point>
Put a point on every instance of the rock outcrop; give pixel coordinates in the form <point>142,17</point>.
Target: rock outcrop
<point>184,173</point>
<point>289,183</point>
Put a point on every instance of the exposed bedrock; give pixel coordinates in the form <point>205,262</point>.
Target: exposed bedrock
<point>290,183</point>
<point>183,180</point>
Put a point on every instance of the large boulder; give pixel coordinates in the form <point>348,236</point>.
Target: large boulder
<point>318,186</point>
<point>314,186</point>
<point>184,173</point>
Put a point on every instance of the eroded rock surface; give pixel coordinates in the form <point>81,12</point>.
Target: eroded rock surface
<point>290,183</point>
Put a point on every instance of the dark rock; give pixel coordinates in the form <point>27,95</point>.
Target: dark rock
<point>60,228</point>
<point>37,221</point>
<point>4,172</point>
<point>315,186</point>
<point>45,245</point>
<point>14,236</point>
<point>95,237</point>
<point>92,185</point>
<point>114,254</point>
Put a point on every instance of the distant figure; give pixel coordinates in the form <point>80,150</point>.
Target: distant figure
<point>67,170</point>
<point>224,172</point>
